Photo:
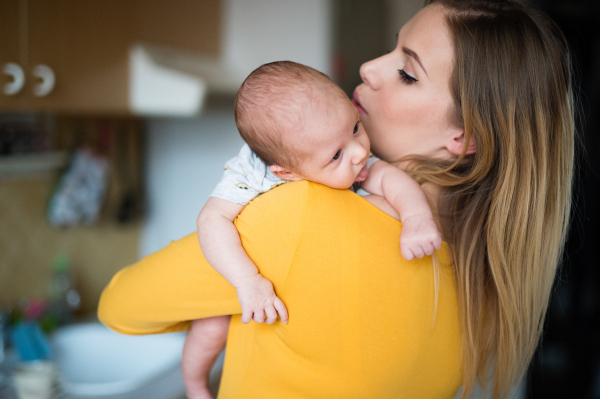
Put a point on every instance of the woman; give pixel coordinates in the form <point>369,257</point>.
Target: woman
<point>475,101</point>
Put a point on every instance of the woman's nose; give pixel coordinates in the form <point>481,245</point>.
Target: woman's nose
<point>369,72</point>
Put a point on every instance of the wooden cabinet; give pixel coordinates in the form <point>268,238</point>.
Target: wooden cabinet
<point>86,45</point>
<point>10,53</point>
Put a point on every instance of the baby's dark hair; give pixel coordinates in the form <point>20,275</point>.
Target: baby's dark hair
<point>273,101</point>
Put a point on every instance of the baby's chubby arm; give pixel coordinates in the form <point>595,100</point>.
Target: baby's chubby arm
<point>222,248</point>
<point>420,235</point>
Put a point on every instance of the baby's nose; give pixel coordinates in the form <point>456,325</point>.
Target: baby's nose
<point>360,153</point>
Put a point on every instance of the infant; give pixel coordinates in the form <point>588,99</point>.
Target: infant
<point>298,125</point>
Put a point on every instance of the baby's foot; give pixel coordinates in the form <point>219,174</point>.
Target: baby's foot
<point>199,393</point>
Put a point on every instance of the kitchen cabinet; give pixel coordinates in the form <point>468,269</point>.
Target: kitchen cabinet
<point>86,45</point>
<point>10,55</point>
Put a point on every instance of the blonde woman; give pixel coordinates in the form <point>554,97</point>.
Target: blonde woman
<point>475,102</point>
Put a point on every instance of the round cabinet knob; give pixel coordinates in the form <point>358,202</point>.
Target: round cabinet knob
<point>45,73</point>
<point>16,73</point>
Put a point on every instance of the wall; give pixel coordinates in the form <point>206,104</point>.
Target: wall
<point>185,161</point>
<point>399,12</point>
<point>260,31</point>
<point>359,37</point>
<point>28,245</point>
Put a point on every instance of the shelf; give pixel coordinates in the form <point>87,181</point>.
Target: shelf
<point>31,165</point>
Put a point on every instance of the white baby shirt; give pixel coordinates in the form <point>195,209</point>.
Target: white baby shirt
<point>246,177</point>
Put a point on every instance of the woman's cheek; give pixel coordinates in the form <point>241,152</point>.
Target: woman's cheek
<point>382,146</point>
<point>397,108</point>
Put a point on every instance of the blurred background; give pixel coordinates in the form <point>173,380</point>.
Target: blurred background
<point>116,118</point>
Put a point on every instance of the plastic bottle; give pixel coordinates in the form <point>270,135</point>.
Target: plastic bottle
<point>65,298</point>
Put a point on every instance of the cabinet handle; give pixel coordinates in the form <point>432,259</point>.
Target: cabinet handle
<point>45,73</point>
<point>16,73</point>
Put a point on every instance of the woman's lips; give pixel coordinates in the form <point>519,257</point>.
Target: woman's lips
<point>357,104</point>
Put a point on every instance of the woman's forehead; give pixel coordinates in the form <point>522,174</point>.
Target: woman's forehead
<point>428,36</point>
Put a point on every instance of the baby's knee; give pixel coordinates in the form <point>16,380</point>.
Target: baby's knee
<point>212,328</point>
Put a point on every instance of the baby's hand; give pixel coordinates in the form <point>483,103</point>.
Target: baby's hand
<point>419,237</point>
<point>258,298</point>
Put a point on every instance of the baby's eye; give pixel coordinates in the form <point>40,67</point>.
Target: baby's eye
<point>337,155</point>
<point>356,128</point>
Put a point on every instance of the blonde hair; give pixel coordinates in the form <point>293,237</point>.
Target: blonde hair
<point>274,101</point>
<point>505,209</point>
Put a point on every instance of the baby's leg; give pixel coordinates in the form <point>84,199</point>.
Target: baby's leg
<point>203,344</point>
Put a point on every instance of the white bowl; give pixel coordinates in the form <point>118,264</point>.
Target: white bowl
<point>95,362</point>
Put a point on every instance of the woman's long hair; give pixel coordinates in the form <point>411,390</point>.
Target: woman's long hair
<point>505,209</point>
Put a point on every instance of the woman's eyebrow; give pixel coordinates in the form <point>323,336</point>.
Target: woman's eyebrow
<point>414,55</point>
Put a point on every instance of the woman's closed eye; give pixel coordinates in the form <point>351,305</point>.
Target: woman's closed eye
<point>356,127</point>
<point>337,155</point>
<point>406,78</point>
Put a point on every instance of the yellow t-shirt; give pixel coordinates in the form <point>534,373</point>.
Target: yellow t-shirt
<point>361,317</point>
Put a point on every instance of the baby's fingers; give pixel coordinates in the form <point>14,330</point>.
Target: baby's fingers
<point>246,316</point>
<point>428,248</point>
<point>271,314</point>
<point>281,309</point>
<point>437,242</point>
<point>417,251</point>
<point>406,253</point>
<point>259,316</point>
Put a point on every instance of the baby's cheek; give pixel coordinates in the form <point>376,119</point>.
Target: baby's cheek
<point>341,181</point>
<point>349,181</point>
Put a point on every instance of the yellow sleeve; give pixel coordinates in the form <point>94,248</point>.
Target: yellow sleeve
<point>164,290</point>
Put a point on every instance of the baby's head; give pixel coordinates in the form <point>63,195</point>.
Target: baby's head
<point>302,124</point>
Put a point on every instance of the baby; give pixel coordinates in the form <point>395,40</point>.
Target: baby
<point>298,125</point>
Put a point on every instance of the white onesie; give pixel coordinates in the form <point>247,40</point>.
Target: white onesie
<point>246,176</point>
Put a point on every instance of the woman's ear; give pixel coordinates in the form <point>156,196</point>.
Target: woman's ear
<point>284,173</point>
<point>456,143</point>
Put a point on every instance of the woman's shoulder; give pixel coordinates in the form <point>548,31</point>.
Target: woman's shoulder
<point>284,215</point>
<point>302,195</point>
<point>293,203</point>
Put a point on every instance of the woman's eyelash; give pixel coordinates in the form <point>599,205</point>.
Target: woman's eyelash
<point>337,155</point>
<point>356,128</point>
<point>406,78</point>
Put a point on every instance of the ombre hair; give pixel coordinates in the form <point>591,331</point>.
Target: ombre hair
<point>505,209</point>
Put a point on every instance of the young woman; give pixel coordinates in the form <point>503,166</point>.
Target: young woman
<point>505,199</point>
<point>475,102</point>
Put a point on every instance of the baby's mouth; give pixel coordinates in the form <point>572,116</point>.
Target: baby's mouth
<point>362,175</point>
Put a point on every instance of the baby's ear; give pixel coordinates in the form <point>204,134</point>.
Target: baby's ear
<point>284,173</point>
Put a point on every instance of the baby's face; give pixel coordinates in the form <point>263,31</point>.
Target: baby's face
<point>334,146</point>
